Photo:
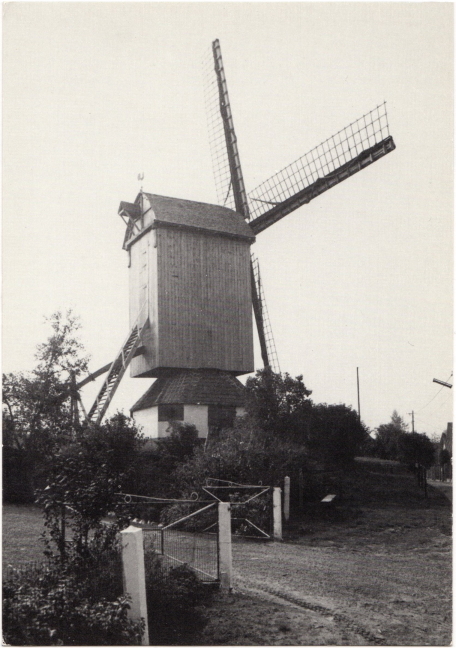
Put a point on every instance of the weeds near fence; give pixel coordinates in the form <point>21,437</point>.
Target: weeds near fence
<point>176,599</point>
<point>79,602</point>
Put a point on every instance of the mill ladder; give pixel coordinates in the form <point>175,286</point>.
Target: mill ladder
<point>116,372</point>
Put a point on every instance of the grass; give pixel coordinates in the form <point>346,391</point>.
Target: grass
<point>22,527</point>
<point>375,496</point>
<point>371,495</point>
<point>380,509</point>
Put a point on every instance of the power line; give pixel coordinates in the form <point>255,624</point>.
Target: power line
<point>435,395</point>
<point>428,418</point>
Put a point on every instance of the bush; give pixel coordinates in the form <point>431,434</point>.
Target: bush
<point>243,455</point>
<point>415,448</point>
<point>83,483</point>
<point>335,434</point>
<point>280,407</point>
<point>175,512</point>
<point>155,466</point>
<point>174,602</point>
<point>444,457</point>
<point>57,607</point>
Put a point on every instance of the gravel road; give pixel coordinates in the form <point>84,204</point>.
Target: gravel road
<point>390,587</point>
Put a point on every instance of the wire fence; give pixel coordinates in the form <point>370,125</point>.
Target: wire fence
<point>191,541</point>
<point>27,570</point>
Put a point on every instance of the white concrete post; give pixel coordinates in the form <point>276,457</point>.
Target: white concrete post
<point>134,575</point>
<point>286,499</point>
<point>225,557</point>
<point>277,512</point>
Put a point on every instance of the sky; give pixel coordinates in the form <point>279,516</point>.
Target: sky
<point>97,93</point>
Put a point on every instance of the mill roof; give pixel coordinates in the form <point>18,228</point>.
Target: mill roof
<point>176,211</point>
<point>193,387</point>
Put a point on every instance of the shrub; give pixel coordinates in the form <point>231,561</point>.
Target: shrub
<point>335,434</point>
<point>415,448</point>
<point>57,607</point>
<point>174,602</point>
<point>84,480</point>
<point>444,457</point>
<point>243,455</point>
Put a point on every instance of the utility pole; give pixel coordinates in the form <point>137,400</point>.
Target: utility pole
<point>357,382</point>
<point>413,420</point>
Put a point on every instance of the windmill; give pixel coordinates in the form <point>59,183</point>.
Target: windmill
<point>193,280</point>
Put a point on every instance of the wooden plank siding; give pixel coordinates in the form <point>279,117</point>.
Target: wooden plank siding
<point>143,286</point>
<point>200,301</point>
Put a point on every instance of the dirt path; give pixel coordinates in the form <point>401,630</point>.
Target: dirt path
<point>445,487</point>
<point>389,587</point>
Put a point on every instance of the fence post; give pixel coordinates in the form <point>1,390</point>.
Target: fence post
<point>277,512</point>
<point>301,489</point>
<point>286,499</point>
<point>225,557</point>
<point>134,575</point>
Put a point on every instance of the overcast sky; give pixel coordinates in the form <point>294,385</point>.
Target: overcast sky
<point>95,93</point>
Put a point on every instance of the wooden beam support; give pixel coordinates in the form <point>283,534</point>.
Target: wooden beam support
<point>106,368</point>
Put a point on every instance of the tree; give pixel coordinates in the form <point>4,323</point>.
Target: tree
<point>37,413</point>
<point>278,403</point>
<point>335,434</point>
<point>385,444</point>
<point>280,407</point>
<point>415,448</point>
<point>84,480</point>
<point>36,407</point>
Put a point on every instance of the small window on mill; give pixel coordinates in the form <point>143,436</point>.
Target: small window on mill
<point>168,412</point>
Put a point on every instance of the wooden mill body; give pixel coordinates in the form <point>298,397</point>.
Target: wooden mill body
<point>190,275</point>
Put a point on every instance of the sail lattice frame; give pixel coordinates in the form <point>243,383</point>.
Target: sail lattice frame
<point>216,132</point>
<point>273,360</point>
<point>322,161</point>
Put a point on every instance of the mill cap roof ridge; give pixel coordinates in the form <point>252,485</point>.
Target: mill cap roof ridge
<point>191,213</point>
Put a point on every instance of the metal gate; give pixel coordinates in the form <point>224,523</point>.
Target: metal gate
<point>251,505</point>
<point>188,537</point>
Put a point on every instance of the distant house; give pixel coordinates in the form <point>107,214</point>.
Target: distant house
<point>446,442</point>
<point>443,469</point>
